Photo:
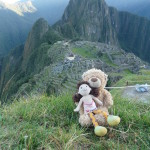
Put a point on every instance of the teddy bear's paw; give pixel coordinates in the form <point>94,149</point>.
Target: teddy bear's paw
<point>100,131</point>
<point>113,120</point>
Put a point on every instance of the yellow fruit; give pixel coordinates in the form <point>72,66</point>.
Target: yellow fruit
<point>100,131</point>
<point>113,120</point>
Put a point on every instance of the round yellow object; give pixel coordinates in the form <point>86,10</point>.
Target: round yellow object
<point>100,131</point>
<point>113,120</point>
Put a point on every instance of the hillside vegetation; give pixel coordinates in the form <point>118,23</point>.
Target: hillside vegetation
<point>50,123</point>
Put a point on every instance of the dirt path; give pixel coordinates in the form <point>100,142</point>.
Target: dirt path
<point>132,94</point>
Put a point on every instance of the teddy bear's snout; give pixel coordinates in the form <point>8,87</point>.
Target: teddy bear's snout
<point>94,79</point>
<point>94,82</point>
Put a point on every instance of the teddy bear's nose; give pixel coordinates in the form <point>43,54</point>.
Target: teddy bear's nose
<point>94,79</point>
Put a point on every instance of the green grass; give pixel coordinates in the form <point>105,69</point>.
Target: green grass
<point>84,52</point>
<point>87,52</point>
<point>50,123</point>
<point>145,72</point>
<point>142,78</point>
<point>106,59</point>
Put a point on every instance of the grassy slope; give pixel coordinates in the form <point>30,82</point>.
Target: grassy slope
<point>88,52</point>
<point>50,123</point>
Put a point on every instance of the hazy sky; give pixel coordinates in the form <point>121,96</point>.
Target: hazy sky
<point>10,1</point>
<point>13,1</point>
<point>125,2</point>
<point>110,2</point>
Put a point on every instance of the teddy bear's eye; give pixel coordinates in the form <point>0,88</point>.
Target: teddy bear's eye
<point>81,87</point>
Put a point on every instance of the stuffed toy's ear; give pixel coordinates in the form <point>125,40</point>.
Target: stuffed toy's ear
<point>106,77</point>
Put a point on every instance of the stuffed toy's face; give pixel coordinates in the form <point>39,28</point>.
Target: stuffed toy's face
<point>84,90</point>
<point>95,82</point>
<point>95,77</point>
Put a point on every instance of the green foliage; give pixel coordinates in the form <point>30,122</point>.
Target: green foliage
<point>52,36</point>
<point>106,59</point>
<point>38,59</point>
<point>145,72</point>
<point>85,52</point>
<point>133,79</point>
<point>68,31</point>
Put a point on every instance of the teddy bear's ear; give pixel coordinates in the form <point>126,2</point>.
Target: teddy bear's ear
<point>83,76</point>
<point>106,77</point>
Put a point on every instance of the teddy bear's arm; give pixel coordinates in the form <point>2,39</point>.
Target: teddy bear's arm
<point>107,99</point>
<point>79,105</point>
<point>97,100</point>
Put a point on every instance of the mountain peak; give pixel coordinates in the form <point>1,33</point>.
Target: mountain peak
<point>35,37</point>
<point>19,8</point>
<point>89,19</point>
<point>38,30</point>
<point>25,7</point>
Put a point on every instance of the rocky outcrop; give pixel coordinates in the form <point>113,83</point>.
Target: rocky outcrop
<point>133,33</point>
<point>89,20</point>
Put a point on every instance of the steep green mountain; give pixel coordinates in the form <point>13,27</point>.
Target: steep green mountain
<point>27,60</point>
<point>95,21</point>
<point>89,20</point>
<point>133,33</point>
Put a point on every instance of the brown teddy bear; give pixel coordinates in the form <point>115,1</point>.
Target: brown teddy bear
<point>97,80</point>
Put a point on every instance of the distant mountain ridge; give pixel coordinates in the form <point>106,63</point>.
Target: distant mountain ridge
<point>43,64</point>
<point>89,20</point>
<point>95,21</point>
<point>141,8</point>
<point>20,7</point>
<point>13,30</point>
<point>17,19</point>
